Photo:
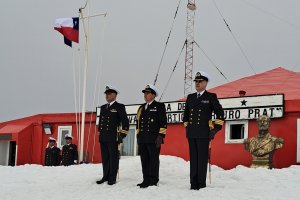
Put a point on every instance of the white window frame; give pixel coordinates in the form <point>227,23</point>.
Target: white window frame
<point>228,131</point>
<point>59,134</point>
<point>298,141</point>
<point>135,141</point>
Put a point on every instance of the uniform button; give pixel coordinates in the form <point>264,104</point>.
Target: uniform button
<point>142,117</point>
<point>198,123</point>
<point>191,122</point>
<point>191,113</point>
<point>191,109</point>
<point>141,129</point>
<point>148,129</point>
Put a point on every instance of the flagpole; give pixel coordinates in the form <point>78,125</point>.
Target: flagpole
<point>84,89</point>
<point>84,78</point>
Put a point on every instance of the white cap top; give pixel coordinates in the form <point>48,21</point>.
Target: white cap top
<point>68,136</point>
<point>151,88</point>
<point>201,75</point>
<point>51,138</point>
<point>109,87</point>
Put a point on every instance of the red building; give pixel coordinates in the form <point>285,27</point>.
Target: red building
<point>275,92</point>
<point>25,140</point>
<point>229,152</point>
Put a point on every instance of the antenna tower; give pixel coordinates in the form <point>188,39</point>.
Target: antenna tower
<point>191,7</point>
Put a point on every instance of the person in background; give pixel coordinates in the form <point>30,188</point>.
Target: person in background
<point>113,127</point>
<point>151,130</point>
<point>52,154</point>
<point>69,152</point>
<point>196,117</point>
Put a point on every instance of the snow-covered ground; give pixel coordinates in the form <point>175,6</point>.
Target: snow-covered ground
<point>35,182</point>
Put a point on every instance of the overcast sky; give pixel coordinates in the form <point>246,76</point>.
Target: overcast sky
<point>125,48</point>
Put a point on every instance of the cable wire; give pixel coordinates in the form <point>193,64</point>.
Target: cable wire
<point>270,14</point>
<point>235,39</point>
<point>165,88</point>
<point>166,44</point>
<point>212,62</point>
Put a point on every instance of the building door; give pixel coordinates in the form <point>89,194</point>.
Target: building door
<point>129,144</point>
<point>4,153</point>
<point>298,140</point>
<point>12,153</point>
<point>8,153</point>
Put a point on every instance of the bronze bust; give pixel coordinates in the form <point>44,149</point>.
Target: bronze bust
<point>263,145</point>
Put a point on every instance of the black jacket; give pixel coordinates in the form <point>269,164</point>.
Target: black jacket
<point>199,111</point>
<point>69,154</point>
<point>112,120</point>
<point>151,122</point>
<point>52,156</point>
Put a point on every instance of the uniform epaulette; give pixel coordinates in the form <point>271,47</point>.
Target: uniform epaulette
<point>219,122</point>
<point>162,131</point>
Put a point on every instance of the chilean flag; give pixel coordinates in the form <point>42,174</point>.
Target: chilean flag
<point>69,28</point>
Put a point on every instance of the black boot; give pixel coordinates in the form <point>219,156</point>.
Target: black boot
<point>101,181</point>
<point>144,184</point>
<point>111,182</point>
<point>194,187</point>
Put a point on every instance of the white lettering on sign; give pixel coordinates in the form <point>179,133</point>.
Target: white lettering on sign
<point>236,108</point>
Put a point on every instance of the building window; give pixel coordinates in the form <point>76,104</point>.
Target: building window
<point>236,131</point>
<point>129,146</point>
<point>62,132</point>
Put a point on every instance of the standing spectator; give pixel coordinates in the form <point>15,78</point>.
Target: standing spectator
<point>52,154</point>
<point>69,152</point>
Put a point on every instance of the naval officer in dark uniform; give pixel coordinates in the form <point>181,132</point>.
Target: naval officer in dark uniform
<point>197,114</point>
<point>113,127</point>
<point>52,154</point>
<point>151,130</point>
<point>69,152</point>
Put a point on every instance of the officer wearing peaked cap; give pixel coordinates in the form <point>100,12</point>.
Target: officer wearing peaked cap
<point>52,154</point>
<point>151,130</point>
<point>113,127</point>
<point>69,152</point>
<point>197,117</point>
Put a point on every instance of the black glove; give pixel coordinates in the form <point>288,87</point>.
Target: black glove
<point>212,134</point>
<point>158,141</point>
<point>120,137</point>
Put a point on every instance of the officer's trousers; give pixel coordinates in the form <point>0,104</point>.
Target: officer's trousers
<point>198,160</point>
<point>150,162</point>
<point>110,160</point>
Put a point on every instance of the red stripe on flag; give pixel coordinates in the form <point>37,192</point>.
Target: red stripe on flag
<point>69,33</point>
